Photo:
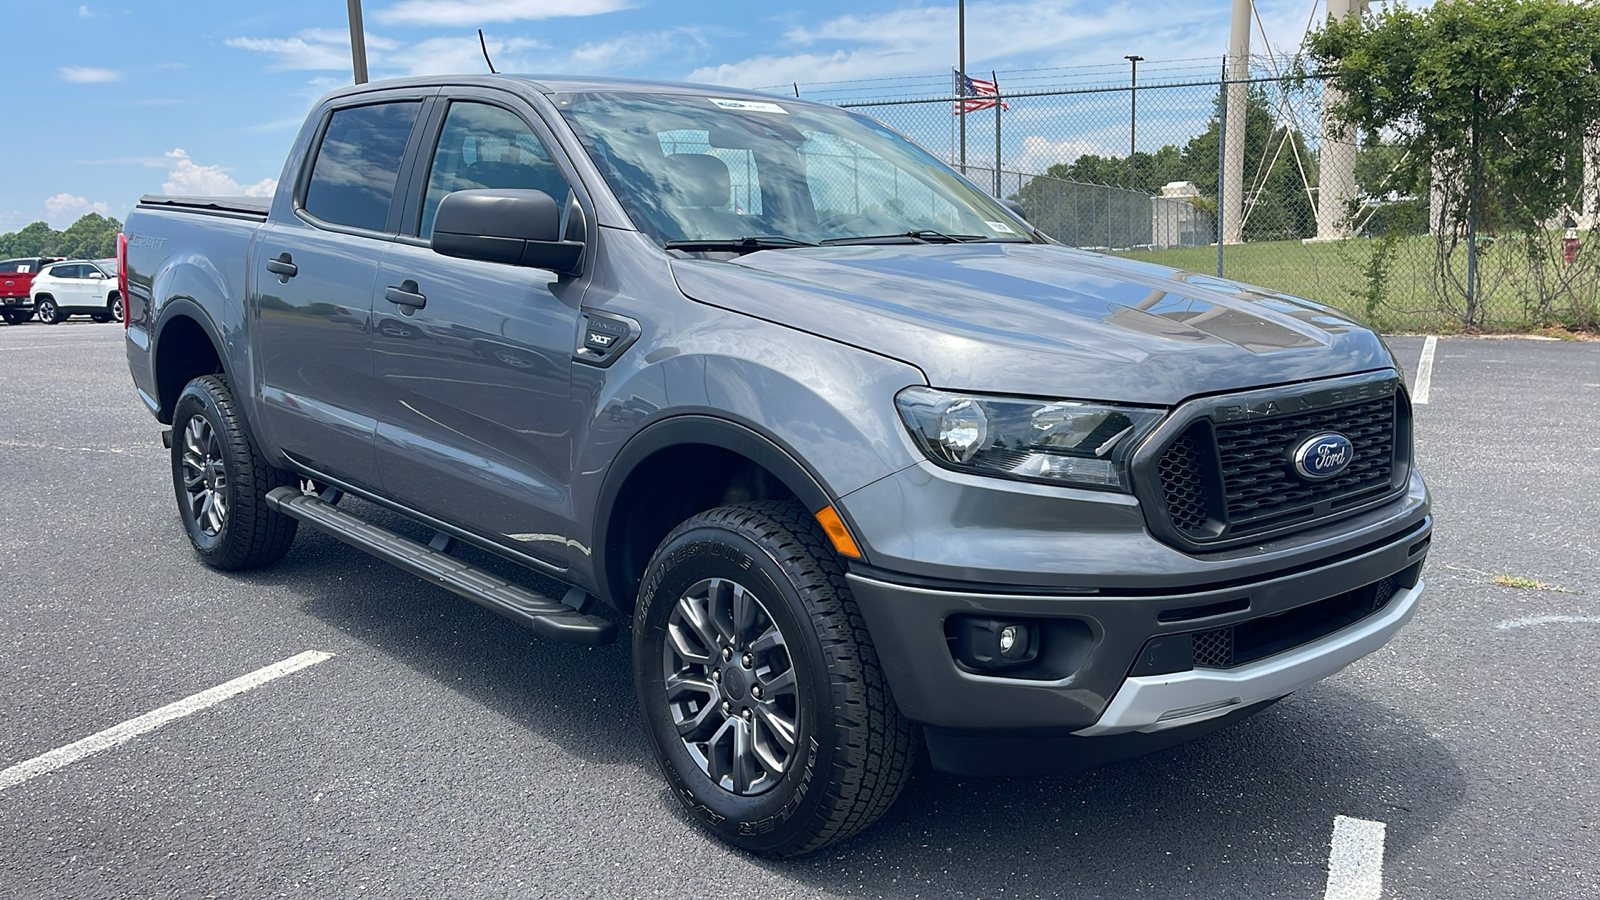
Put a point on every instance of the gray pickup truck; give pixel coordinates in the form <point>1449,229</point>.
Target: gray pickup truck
<point>863,461</point>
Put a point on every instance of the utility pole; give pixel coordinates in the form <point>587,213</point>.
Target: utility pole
<point>1133,118</point>
<point>358,42</point>
<point>1233,125</point>
<point>961,76</point>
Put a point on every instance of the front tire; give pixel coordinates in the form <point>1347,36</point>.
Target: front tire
<point>759,686</point>
<point>47,311</point>
<point>221,482</point>
<point>114,308</point>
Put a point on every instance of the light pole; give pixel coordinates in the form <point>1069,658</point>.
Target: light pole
<point>358,43</point>
<point>1133,116</point>
<point>961,77</point>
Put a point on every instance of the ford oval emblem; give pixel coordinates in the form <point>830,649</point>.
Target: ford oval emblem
<point>1322,456</point>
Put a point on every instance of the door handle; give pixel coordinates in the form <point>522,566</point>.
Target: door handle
<point>405,294</point>
<point>283,267</point>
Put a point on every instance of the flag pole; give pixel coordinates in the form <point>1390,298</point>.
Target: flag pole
<point>961,78</point>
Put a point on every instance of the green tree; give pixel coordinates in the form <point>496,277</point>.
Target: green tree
<point>1489,102</point>
<point>93,236</point>
<point>1280,209</point>
<point>37,239</point>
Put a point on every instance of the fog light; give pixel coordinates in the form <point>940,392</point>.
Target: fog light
<point>989,644</point>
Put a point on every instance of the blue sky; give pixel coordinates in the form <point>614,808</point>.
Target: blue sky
<point>109,101</point>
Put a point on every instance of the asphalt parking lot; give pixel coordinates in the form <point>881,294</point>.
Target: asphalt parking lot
<point>442,751</point>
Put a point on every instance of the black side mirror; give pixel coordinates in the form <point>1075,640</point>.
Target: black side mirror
<point>515,227</point>
<point>1015,207</point>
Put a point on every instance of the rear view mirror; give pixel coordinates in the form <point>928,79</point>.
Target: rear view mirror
<point>1015,207</point>
<point>515,227</point>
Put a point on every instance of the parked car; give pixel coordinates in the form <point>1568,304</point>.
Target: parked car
<point>16,279</point>
<point>868,462</point>
<point>77,287</point>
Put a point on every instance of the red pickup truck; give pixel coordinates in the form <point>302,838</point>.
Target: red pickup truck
<point>16,280</point>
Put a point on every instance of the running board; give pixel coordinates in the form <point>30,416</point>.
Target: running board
<point>547,617</point>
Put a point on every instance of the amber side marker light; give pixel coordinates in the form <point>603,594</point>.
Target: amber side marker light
<point>837,533</point>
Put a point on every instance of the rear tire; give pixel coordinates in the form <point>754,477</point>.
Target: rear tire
<point>221,482</point>
<point>760,690</point>
<point>16,318</point>
<point>48,312</point>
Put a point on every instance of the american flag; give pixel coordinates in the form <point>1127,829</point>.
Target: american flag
<point>978,95</point>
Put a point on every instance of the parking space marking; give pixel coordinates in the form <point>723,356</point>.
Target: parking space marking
<point>150,721</point>
<point>1355,864</point>
<point>1424,383</point>
<point>1509,624</point>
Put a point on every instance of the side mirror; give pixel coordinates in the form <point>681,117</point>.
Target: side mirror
<point>1016,208</point>
<point>515,227</point>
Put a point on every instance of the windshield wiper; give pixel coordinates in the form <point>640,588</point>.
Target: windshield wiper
<point>919,236</point>
<point>748,244</point>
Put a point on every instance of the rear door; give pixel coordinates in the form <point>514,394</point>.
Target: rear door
<point>312,275</point>
<point>476,421</point>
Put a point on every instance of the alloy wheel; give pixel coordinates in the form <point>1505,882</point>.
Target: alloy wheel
<point>730,686</point>
<point>205,480</point>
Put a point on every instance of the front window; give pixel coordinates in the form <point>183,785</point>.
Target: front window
<point>694,168</point>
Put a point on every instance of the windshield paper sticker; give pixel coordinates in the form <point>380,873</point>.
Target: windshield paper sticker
<point>1001,227</point>
<point>749,106</point>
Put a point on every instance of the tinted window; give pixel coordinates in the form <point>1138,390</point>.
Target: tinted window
<point>358,164</point>
<point>484,146</point>
<point>65,271</point>
<point>11,268</point>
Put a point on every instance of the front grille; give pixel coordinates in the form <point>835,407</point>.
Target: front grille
<point>1236,479</point>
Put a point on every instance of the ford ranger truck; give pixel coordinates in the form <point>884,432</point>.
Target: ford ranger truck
<point>864,465</point>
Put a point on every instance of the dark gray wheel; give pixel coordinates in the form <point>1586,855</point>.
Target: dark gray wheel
<point>116,308</point>
<point>16,318</point>
<point>221,482</point>
<point>730,686</point>
<point>48,312</point>
<point>759,686</point>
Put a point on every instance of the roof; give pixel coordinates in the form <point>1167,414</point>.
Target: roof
<point>555,84</point>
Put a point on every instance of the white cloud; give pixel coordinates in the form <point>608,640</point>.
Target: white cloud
<point>84,13</point>
<point>1040,153</point>
<point>475,12</point>
<point>88,75</point>
<point>65,206</point>
<point>185,176</point>
<point>314,48</point>
<point>916,40</point>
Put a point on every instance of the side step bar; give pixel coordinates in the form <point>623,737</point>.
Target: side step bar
<point>549,618</point>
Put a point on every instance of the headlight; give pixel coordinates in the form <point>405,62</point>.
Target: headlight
<point>1064,442</point>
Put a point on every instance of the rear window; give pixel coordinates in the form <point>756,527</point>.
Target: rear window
<point>358,164</point>
<point>16,267</point>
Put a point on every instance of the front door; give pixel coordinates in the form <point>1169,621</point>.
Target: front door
<point>476,420</point>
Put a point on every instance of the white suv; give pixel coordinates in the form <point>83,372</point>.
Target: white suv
<point>77,287</point>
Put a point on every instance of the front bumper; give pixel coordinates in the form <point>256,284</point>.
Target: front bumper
<point>1085,683</point>
<point>1158,702</point>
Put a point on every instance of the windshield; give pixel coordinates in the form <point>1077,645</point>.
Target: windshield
<point>695,168</point>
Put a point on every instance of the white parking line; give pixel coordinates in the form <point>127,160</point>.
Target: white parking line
<point>1355,864</point>
<point>1424,383</point>
<point>150,721</point>
<point>1509,624</point>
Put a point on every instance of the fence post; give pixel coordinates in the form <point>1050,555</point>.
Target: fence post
<point>1222,155</point>
<point>997,101</point>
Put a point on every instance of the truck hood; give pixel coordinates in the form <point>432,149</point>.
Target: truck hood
<point>1042,320</point>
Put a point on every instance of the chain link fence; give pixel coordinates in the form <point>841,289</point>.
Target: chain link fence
<point>1157,171</point>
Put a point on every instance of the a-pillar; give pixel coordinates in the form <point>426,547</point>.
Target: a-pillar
<point>1233,129</point>
<point>1336,179</point>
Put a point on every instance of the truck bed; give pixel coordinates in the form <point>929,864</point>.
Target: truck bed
<point>240,207</point>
